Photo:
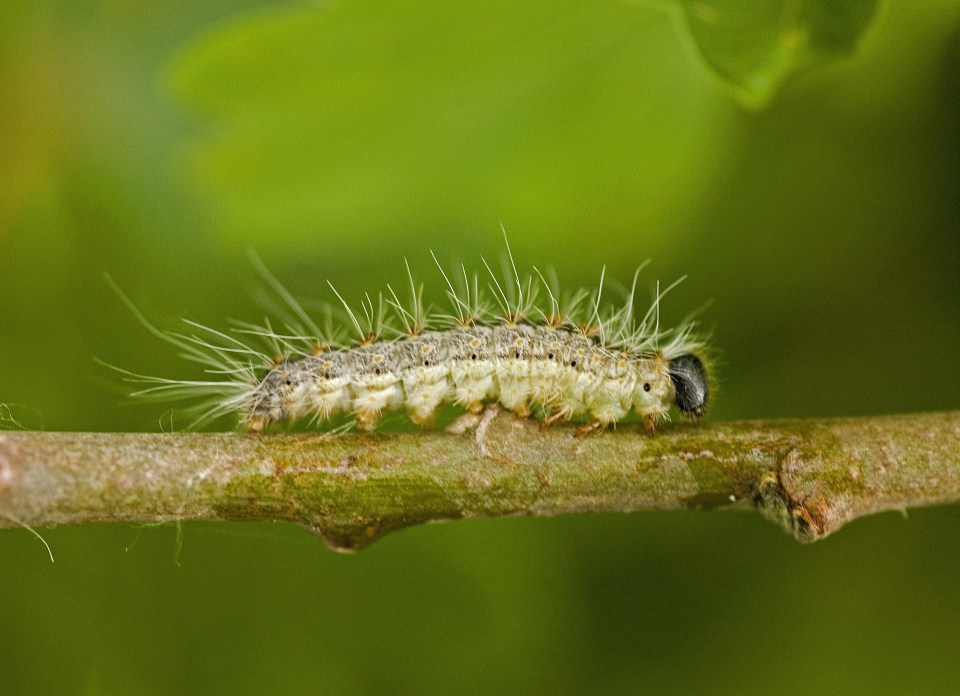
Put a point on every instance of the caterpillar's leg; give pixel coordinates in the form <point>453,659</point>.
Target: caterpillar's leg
<point>594,426</point>
<point>473,418</point>
<point>256,424</point>
<point>553,418</point>
<point>424,420</point>
<point>650,422</point>
<point>367,420</point>
<point>523,410</point>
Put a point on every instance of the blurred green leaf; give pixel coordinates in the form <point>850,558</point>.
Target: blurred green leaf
<point>391,117</point>
<point>757,47</point>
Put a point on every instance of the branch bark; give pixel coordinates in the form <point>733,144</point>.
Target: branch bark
<point>810,476</point>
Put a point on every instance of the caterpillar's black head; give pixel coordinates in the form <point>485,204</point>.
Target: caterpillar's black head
<point>690,379</point>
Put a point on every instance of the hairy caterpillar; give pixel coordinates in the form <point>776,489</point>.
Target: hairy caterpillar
<point>568,357</point>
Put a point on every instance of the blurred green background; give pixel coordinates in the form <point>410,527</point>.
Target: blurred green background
<point>159,143</point>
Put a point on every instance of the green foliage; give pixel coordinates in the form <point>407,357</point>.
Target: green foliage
<point>757,47</point>
<point>308,104</point>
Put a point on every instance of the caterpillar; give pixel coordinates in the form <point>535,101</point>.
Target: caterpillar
<point>563,358</point>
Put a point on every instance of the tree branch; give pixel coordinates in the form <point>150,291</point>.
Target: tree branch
<point>810,476</point>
